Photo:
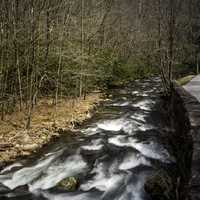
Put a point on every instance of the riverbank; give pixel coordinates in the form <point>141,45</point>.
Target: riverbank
<point>47,123</point>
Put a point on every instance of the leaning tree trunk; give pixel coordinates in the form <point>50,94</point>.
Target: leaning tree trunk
<point>171,40</point>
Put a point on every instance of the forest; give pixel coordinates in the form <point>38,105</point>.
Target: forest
<point>70,47</point>
<point>94,102</point>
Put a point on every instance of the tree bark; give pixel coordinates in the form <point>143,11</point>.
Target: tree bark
<point>171,40</point>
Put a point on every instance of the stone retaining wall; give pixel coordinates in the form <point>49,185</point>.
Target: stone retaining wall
<point>185,115</point>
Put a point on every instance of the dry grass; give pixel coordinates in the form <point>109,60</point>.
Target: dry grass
<point>66,112</point>
<point>46,120</point>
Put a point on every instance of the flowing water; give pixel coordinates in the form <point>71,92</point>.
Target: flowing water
<point>112,156</point>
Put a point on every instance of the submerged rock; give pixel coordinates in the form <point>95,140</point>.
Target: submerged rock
<point>3,189</point>
<point>160,186</point>
<point>70,184</point>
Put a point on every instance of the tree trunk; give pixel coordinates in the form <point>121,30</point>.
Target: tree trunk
<point>47,33</point>
<point>28,121</point>
<point>171,40</point>
<point>16,42</point>
<point>20,85</point>
<point>197,63</point>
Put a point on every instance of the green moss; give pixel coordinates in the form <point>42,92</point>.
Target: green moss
<point>185,80</point>
<point>69,184</point>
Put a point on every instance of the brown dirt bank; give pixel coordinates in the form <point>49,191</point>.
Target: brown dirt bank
<point>48,122</point>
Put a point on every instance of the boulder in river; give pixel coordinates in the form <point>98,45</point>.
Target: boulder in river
<point>70,184</point>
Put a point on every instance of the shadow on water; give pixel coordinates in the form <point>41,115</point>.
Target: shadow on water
<point>114,153</point>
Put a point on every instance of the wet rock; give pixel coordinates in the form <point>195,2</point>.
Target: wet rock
<point>70,184</point>
<point>3,189</point>
<point>160,186</point>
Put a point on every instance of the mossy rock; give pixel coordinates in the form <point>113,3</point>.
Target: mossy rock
<point>70,184</point>
<point>160,186</point>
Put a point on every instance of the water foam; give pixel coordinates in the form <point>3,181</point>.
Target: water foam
<point>150,150</point>
<point>116,125</point>
<point>95,145</point>
<point>133,160</point>
<point>10,167</point>
<point>144,105</point>
<point>122,104</point>
<point>111,125</point>
<point>72,166</point>
<point>66,196</point>
<point>105,179</point>
<point>27,174</point>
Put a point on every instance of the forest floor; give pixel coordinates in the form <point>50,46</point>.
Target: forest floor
<point>47,122</point>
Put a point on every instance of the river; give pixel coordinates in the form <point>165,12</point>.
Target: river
<point>111,155</point>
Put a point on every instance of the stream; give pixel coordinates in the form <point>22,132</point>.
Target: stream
<point>111,155</point>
